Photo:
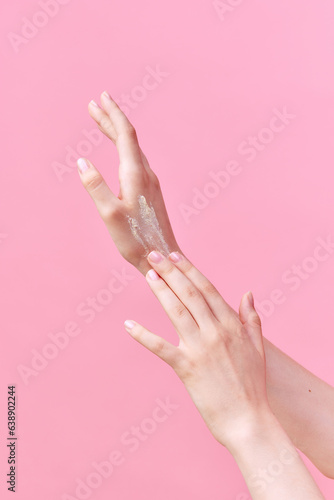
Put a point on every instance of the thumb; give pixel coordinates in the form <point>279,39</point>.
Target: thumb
<point>105,200</point>
<point>251,321</point>
<point>158,345</point>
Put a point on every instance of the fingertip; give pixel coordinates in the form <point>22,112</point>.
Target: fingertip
<point>152,275</point>
<point>83,165</point>
<point>107,95</point>
<point>129,324</point>
<point>93,104</point>
<point>175,257</point>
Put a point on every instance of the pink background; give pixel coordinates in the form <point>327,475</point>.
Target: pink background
<point>225,78</point>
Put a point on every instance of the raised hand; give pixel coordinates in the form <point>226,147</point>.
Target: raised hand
<point>137,218</point>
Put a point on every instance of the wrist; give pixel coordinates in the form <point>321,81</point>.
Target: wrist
<point>269,462</point>
<point>255,428</point>
<point>263,437</point>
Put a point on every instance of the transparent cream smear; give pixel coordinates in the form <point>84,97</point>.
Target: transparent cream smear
<point>146,230</point>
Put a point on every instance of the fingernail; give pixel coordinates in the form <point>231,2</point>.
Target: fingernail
<point>94,103</point>
<point>83,165</point>
<point>250,299</point>
<point>175,257</point>
<point>105,93</point>
<point>152,275</point>
<point>155,257</point>
<point>129,324</point>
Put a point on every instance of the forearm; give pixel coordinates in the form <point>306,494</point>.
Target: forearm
<point>270,465</point>
<point>304,405</point>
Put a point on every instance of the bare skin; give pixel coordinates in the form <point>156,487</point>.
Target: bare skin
<point>135,178</point>
<point>221,361</point>
<point>288,383</point>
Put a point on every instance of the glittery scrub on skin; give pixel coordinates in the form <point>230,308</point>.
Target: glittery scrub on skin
<point>146,230</point>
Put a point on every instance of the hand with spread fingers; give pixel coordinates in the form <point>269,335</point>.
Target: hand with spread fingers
<point>137,218</point>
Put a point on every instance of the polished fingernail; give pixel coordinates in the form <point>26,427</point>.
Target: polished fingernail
<point>94,103</point>
<point>129,324</point>
<point>83,165</point>
<point>155,257</point>
<point>175,257</point>
<point>105,93</point>
<point>152,275</point>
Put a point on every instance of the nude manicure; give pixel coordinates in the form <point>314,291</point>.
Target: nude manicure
<point>82,165</point>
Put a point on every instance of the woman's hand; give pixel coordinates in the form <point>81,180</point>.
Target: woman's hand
<point>220,359</point>
<point>137,218</point>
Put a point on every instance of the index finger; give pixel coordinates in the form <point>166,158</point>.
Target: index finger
<point>183,288</point>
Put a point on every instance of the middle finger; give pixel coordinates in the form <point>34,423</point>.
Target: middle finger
<point>185,290</point>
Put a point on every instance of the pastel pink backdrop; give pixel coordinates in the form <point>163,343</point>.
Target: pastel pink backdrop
<point>226,75</point>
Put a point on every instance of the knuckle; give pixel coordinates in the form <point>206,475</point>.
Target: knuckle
<point>192,365</point>
<point>108,212</point>
<point>94,183</point>
<point>180,311</point>
<point>159,347</point>
<point>191,292</point>
<point>220,337</point>
<point>168,270</point>
<point>217,339</point>
<point>187,367</point>
<point>187,266</point>
<point>209,289</point>
<point>129,131</point>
